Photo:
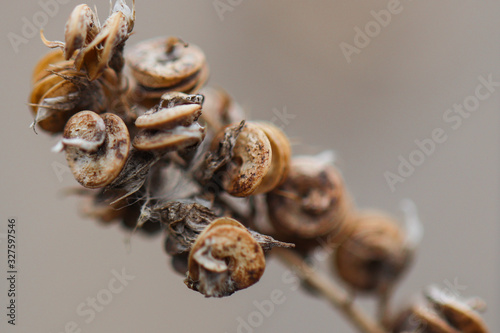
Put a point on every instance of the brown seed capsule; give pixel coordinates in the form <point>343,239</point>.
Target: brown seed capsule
<point>108,43</point>
<point>219,109</point>
<point>281,154</point>
<point>457,312</point>
<point>312,202</point>
<point>56,106</point>
<point>374,255</point>
<point>96,169</point>
<point>41,87</point>
<point>175,109</point>
<point>64,98</point>
<point>422,319</point>
<point>225,258</point>
<point>164,64</point>
<point>250,162</point>
<point>81,28</point>
<point>174,139</point>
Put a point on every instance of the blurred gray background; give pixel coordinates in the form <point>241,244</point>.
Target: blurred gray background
<point>273,56</point>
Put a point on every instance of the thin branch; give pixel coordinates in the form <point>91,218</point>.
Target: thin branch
<point>384,314</point>
<point>338,298</point>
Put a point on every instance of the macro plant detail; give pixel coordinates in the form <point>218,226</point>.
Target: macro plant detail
<point>160,153</point>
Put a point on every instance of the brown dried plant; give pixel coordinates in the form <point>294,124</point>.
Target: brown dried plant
<point>159,153</point>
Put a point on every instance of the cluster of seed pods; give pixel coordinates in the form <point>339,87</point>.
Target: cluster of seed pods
<point>160,153</point>
<point>442,312</point>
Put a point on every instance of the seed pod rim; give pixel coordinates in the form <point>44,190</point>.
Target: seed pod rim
<point>253,150</point>
<point>280,162</point>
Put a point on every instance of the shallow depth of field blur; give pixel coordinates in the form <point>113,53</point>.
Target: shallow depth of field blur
<point>283,61</point>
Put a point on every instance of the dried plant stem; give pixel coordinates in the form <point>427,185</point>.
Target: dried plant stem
<point>328,290</point>
<point>384,314</point>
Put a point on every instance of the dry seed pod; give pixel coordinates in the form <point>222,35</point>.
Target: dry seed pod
<point>250,161</point>
<point>175,109</point>
<point>81,28</point>
<point>312,202</point>
<point>56,106</point>
<point>97,169</point>
<point>422,319</point>
<point>175,139</point>
<point>374,255</point>
<point>40,88</point>
<point>457,312</point>
<point>219,109</point>
<point>107,46</point>
<point>225,258</point>
<point>281,155</point>
<point>65,98</point>
<point>164,64</point>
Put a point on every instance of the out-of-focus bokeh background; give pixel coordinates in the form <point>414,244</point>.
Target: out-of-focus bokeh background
<point>282,60</point>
